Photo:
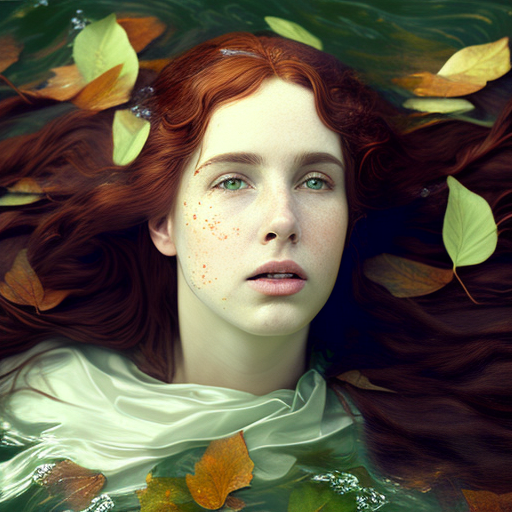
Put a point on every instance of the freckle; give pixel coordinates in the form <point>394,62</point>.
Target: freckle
<point>196,172</point>
<point>194,216</point>
<point>184,203</point>
<point>225,236</point>
<point>204,266</point>
<point>215,279</point>
<point>224,298</point>
<point>209,281</point>
<point>204,227</point>
<point>210,206</point>
<point>186,224</point>
<point>202,276</point>
<point>199,202</point>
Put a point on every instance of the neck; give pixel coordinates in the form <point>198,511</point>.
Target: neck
<point>213,352</point>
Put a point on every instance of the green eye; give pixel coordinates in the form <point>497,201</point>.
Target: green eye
<point>232,184</point>
<point>315,183</point>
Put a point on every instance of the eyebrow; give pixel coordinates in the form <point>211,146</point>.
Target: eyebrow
<point>254,159</point>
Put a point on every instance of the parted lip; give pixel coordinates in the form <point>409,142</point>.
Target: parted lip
<point>285,267</point>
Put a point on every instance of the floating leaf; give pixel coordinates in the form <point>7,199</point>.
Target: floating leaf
<point>67,83</point>
<point>141,31</point>
<point>166,495</point>
<point>10,51</point>
<point>486,501</point>
<point>224,468</point>
<point>428,84</point>
<point>470,234</point>
<point>22,286</point>
<point>293,31</point>
<point>77,485</point>
<point>103,92</point>
<point>25,191</point>
<point>405,278</point>
<point>103,45</point>
<point>465,72</point>
<point>130,134</point>
<point>438,105</point>
<point>311,497</point>
<point>481,62</point>
<point>357,379</point>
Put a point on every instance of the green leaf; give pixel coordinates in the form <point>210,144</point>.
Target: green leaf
<point>18,199</point>
<point>293,31</point>
<point>103,45</point>
<point>166,495</point>
<point>470,234</point>
<point>440,105</point>
<point>310,497</point>
<point>130,134</point>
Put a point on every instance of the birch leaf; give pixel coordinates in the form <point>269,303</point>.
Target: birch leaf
<point>439,105</point>
<point>141,31</point>
<point>293,31</point>
<point>481,62</point>
<point>224,468</point>
<point>130,134</point>
<point>470,234</point>
<point>405,278</point>
<point>103,45</point>
<point>10,51</point>
<point>357,379</point>
<point>22,286</point>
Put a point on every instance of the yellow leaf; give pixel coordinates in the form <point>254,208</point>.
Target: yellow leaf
<point>67,83</point>
<point>141,31</point>
<point>428,84</point>
<point>22,286</point>
<point>224,468</point>
<point>77,485</point>
<point>25,191</point>
<point>357,379</point>
<point>10,51</point>
<point>103,92</point>
<point>405,278</point>
<point>481,62</point>
<point>439,105</point>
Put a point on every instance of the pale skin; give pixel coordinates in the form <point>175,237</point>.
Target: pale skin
<point>266,185</point>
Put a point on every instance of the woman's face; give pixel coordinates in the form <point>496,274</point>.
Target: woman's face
<point>266,187</point>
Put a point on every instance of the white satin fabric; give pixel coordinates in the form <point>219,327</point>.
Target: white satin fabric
<point>112,417</point>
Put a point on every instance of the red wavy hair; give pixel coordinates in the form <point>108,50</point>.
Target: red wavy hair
<point>448,360</point>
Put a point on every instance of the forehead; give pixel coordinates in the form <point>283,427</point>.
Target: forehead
<point>280,118</point>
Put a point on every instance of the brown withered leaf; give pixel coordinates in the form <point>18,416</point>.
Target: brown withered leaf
<point>428,84</point>
<point>66,84</point>
<point>10,53</point>
<point>77,485</point>
<point>141,31</point>
<point>486,501</point>
<point>103,92</point>
<point>357,379</point>
<point>405,278</point>
<point>235,503</point>
<point>154,65</point>
<point>224,468</point>
<point>22,286</point>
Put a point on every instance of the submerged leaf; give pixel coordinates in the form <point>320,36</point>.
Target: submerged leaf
<point>103,45</point>
<point>77,485</point>
<point>311,497</point>
<point>470,234</point>
<point>428,84</point>
<point>439,105</point>
<point>224,468</point>
<point>22,286</point>
<point>130,134</point>
<point>486,501</point>
<point>294,31</point>
<point>67,83</point>
<point>141,31</point>
<point>357,379</point>
<point>405,278</point>
<point>166,495</point>
<point>10,53</point>
<point>103,92</point>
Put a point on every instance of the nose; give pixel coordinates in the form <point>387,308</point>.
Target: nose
<point>280,223</point>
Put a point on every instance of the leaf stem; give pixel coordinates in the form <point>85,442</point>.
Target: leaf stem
<point>18,91</point>
<point>465,289</point>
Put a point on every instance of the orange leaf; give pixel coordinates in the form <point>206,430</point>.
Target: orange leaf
<point>428,84</point>
<point>10,51</point>
<point>405,278</point>
<point>224,468</point>
<point>486,501</point>
<point>66,83</point>
<point>22,286</point>
<point>77,485</point>
<point>103,92</point>
<point>141,31</point>
<point>155,65</point>
<point>357,379</point>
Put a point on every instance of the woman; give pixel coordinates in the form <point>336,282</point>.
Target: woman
<point>257,145</point>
